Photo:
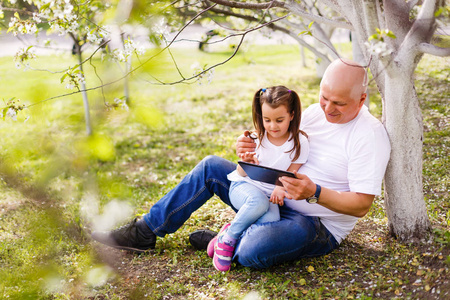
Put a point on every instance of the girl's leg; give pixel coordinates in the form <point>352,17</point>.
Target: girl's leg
<point>253,206</point>
<point>209,177</point>
<point>293,237</point>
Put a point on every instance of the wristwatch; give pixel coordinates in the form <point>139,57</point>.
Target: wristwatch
<point>315,198</point>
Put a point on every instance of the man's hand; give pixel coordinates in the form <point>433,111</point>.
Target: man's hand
<point>298,188</point>
<point>245,144</point>
<point>349,203</point>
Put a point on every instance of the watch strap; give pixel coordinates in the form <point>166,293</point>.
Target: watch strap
<point>318,190</point>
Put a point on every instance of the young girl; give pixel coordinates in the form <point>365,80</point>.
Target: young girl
<point>276,117</point>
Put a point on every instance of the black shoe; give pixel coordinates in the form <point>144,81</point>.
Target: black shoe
<point>200,238</point>
<point>128,237</point>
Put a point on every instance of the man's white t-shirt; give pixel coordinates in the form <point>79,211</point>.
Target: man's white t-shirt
<point>343,157</point>
<point>279,157</point>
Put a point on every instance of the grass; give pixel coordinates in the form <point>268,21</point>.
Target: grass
<point>60,182</point>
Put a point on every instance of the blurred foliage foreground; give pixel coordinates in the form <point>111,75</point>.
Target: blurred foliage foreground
<point>58,184</point>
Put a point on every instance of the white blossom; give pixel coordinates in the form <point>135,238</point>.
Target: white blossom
<point>11,113</point>
<point>161,28</point>
<point>37,18</point>
<point>378,48</point>
<point>121,103</point>
<point>93,37</point>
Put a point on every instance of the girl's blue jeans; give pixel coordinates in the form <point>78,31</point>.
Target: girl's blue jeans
<point>253,207</point>
<point>262,245</point>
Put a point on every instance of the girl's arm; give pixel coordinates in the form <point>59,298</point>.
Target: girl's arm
<point>294,167</point>
<point>247,157</point>
<point>279,193</point>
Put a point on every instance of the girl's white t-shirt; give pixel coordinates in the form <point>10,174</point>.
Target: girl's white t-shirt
<point>343,157</point>
<point>273,156</point>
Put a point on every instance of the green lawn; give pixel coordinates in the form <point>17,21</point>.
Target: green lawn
<point>57,183</point>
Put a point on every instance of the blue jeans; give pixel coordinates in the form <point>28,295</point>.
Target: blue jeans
<point>253,207</point>
<point>262,245</point>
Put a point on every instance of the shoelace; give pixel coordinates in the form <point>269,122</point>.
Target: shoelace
<point>126,228</point>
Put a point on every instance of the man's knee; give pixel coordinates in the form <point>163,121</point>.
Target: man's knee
<point>210,160</point>
<point>248,253</point>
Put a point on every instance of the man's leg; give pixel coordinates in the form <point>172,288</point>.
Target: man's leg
<point>209,177</point>
<point>293,237</point>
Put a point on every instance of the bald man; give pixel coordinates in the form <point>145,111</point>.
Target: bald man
<point>349,151</point>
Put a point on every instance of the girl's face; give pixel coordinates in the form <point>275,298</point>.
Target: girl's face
<point>276,122</point>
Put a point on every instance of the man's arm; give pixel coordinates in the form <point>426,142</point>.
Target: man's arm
<point>349,203</point>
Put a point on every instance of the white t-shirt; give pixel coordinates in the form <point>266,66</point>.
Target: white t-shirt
<point>273,156</point>
<point>343,157</point>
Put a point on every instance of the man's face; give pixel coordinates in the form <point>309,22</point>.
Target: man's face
<point>337,104</point>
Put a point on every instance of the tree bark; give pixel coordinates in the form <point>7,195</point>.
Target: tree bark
<point>404,201</point>
<point>87,114</point>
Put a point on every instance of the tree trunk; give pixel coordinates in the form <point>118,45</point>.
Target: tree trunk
<point>405,206</point>
<point>87,115</point>
<point>358,56</point>
<point>126,90</point>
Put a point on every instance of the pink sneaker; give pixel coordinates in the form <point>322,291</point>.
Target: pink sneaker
<point>210,249</point>
<point>223,252</point>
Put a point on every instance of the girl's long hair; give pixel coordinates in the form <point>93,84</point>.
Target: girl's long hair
<point>276,96</point>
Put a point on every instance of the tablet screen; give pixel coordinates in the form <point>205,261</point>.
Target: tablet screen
<point>264,174</point>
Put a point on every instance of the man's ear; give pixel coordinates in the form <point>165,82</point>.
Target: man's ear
<point>362,99</point>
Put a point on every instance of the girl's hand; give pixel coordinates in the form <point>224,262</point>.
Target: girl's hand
<point>249,157</point>
<point>278,195</point>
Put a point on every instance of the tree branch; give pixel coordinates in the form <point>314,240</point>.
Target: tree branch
<point>297,10</point>
<point>411,4</point>
<point>334,6</point>
<point>318,35</point>
<point>380,14</point>
<point>423,27</point>
<point>309,47</point>
<point>433,50</point>
<point>292,6</point>
<point>276,27</point>
<point>245,5</point>
<point>427,10</point>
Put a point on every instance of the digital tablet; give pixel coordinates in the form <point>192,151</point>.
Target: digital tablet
<point>264,174</point>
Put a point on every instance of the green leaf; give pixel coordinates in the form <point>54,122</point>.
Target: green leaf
<point>391,35</point>
<point>310,24</point>
<point>45,6</point>
<point>63,77</point>
<point>5,110</point>
<point>374,37</point>
<point>439,12</point>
